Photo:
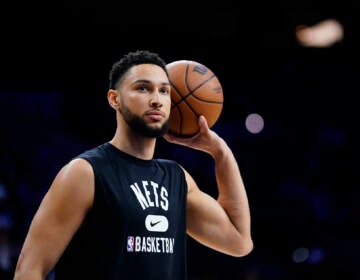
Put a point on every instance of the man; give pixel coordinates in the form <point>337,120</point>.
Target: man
<point>115,212</point>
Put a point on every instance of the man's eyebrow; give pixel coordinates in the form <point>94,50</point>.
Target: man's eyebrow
<point>149,82</point>
<point>142,81</point>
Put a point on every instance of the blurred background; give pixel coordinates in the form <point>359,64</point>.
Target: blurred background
<point>290,79</point>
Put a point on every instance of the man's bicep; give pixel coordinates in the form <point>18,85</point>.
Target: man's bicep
<point>203,211</point>
<point>59,215</point>
<point>207,222</point>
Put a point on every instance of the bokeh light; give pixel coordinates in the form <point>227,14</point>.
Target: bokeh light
<point>254,123</point>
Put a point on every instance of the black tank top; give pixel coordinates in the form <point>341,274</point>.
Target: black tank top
<point>136,228</point>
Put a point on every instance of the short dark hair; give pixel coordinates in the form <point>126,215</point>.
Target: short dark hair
<point>130,59</point>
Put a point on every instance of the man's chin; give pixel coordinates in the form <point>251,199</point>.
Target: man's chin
<point>144,128</point>
<point>156,130</point>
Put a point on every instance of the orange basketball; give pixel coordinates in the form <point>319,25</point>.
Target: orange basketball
<point>195,91</point>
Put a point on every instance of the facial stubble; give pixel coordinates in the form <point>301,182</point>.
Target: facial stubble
<point>139,125</point>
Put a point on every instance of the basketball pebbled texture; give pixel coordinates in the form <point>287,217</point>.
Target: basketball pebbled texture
<point>195,91</point>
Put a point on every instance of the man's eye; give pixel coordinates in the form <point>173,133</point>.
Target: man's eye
<point>142,88</point>
<point>165,91</point>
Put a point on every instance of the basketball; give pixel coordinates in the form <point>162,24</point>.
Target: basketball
<point>195,91</point>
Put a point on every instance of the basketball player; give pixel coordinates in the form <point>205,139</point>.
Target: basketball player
<point>115,212</point>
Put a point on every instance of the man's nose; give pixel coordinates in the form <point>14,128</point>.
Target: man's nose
<point>155,100</point>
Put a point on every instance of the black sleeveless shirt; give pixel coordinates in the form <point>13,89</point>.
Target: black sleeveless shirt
<point>136,228</point>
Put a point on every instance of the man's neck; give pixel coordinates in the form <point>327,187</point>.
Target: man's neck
<point>134,144</point>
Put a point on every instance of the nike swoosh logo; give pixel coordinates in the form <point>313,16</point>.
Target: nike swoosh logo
<point>155,223</point>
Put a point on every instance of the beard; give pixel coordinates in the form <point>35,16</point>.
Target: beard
<point>137,124</point>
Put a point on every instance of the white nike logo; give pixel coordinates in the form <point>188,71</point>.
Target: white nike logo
<point>156,223</point>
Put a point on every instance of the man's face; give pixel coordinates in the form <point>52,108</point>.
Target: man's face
<point>145,100</point>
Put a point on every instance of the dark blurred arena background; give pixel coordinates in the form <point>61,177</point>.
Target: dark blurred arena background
<point>290,115</point>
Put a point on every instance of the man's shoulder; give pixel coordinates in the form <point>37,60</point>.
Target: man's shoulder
<point>166,161</point>
<point>169,163</point>
<point>95,155</point>
<point>94,152</point>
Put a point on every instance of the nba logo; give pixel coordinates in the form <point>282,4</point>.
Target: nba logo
<point>130,244</point>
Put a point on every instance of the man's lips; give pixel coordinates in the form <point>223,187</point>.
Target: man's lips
<point>155,115</point>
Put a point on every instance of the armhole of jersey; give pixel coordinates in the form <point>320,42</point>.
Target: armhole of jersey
<point>90,162</point>
<point>182,170</point>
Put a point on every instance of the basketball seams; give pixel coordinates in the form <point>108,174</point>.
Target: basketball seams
<point>176,105</point>
<point>204,90</point>
<point>186,77</point>
<point>179,128</point>
<point>190,93</point>
<point>206,101</point>
<point>183,97</point>
<point>191,108</point>
<point>178,93</point>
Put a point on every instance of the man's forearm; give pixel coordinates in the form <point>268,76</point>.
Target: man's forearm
<point>232,194</point>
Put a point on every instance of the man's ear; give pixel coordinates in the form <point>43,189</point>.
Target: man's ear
<point>113,98</point>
